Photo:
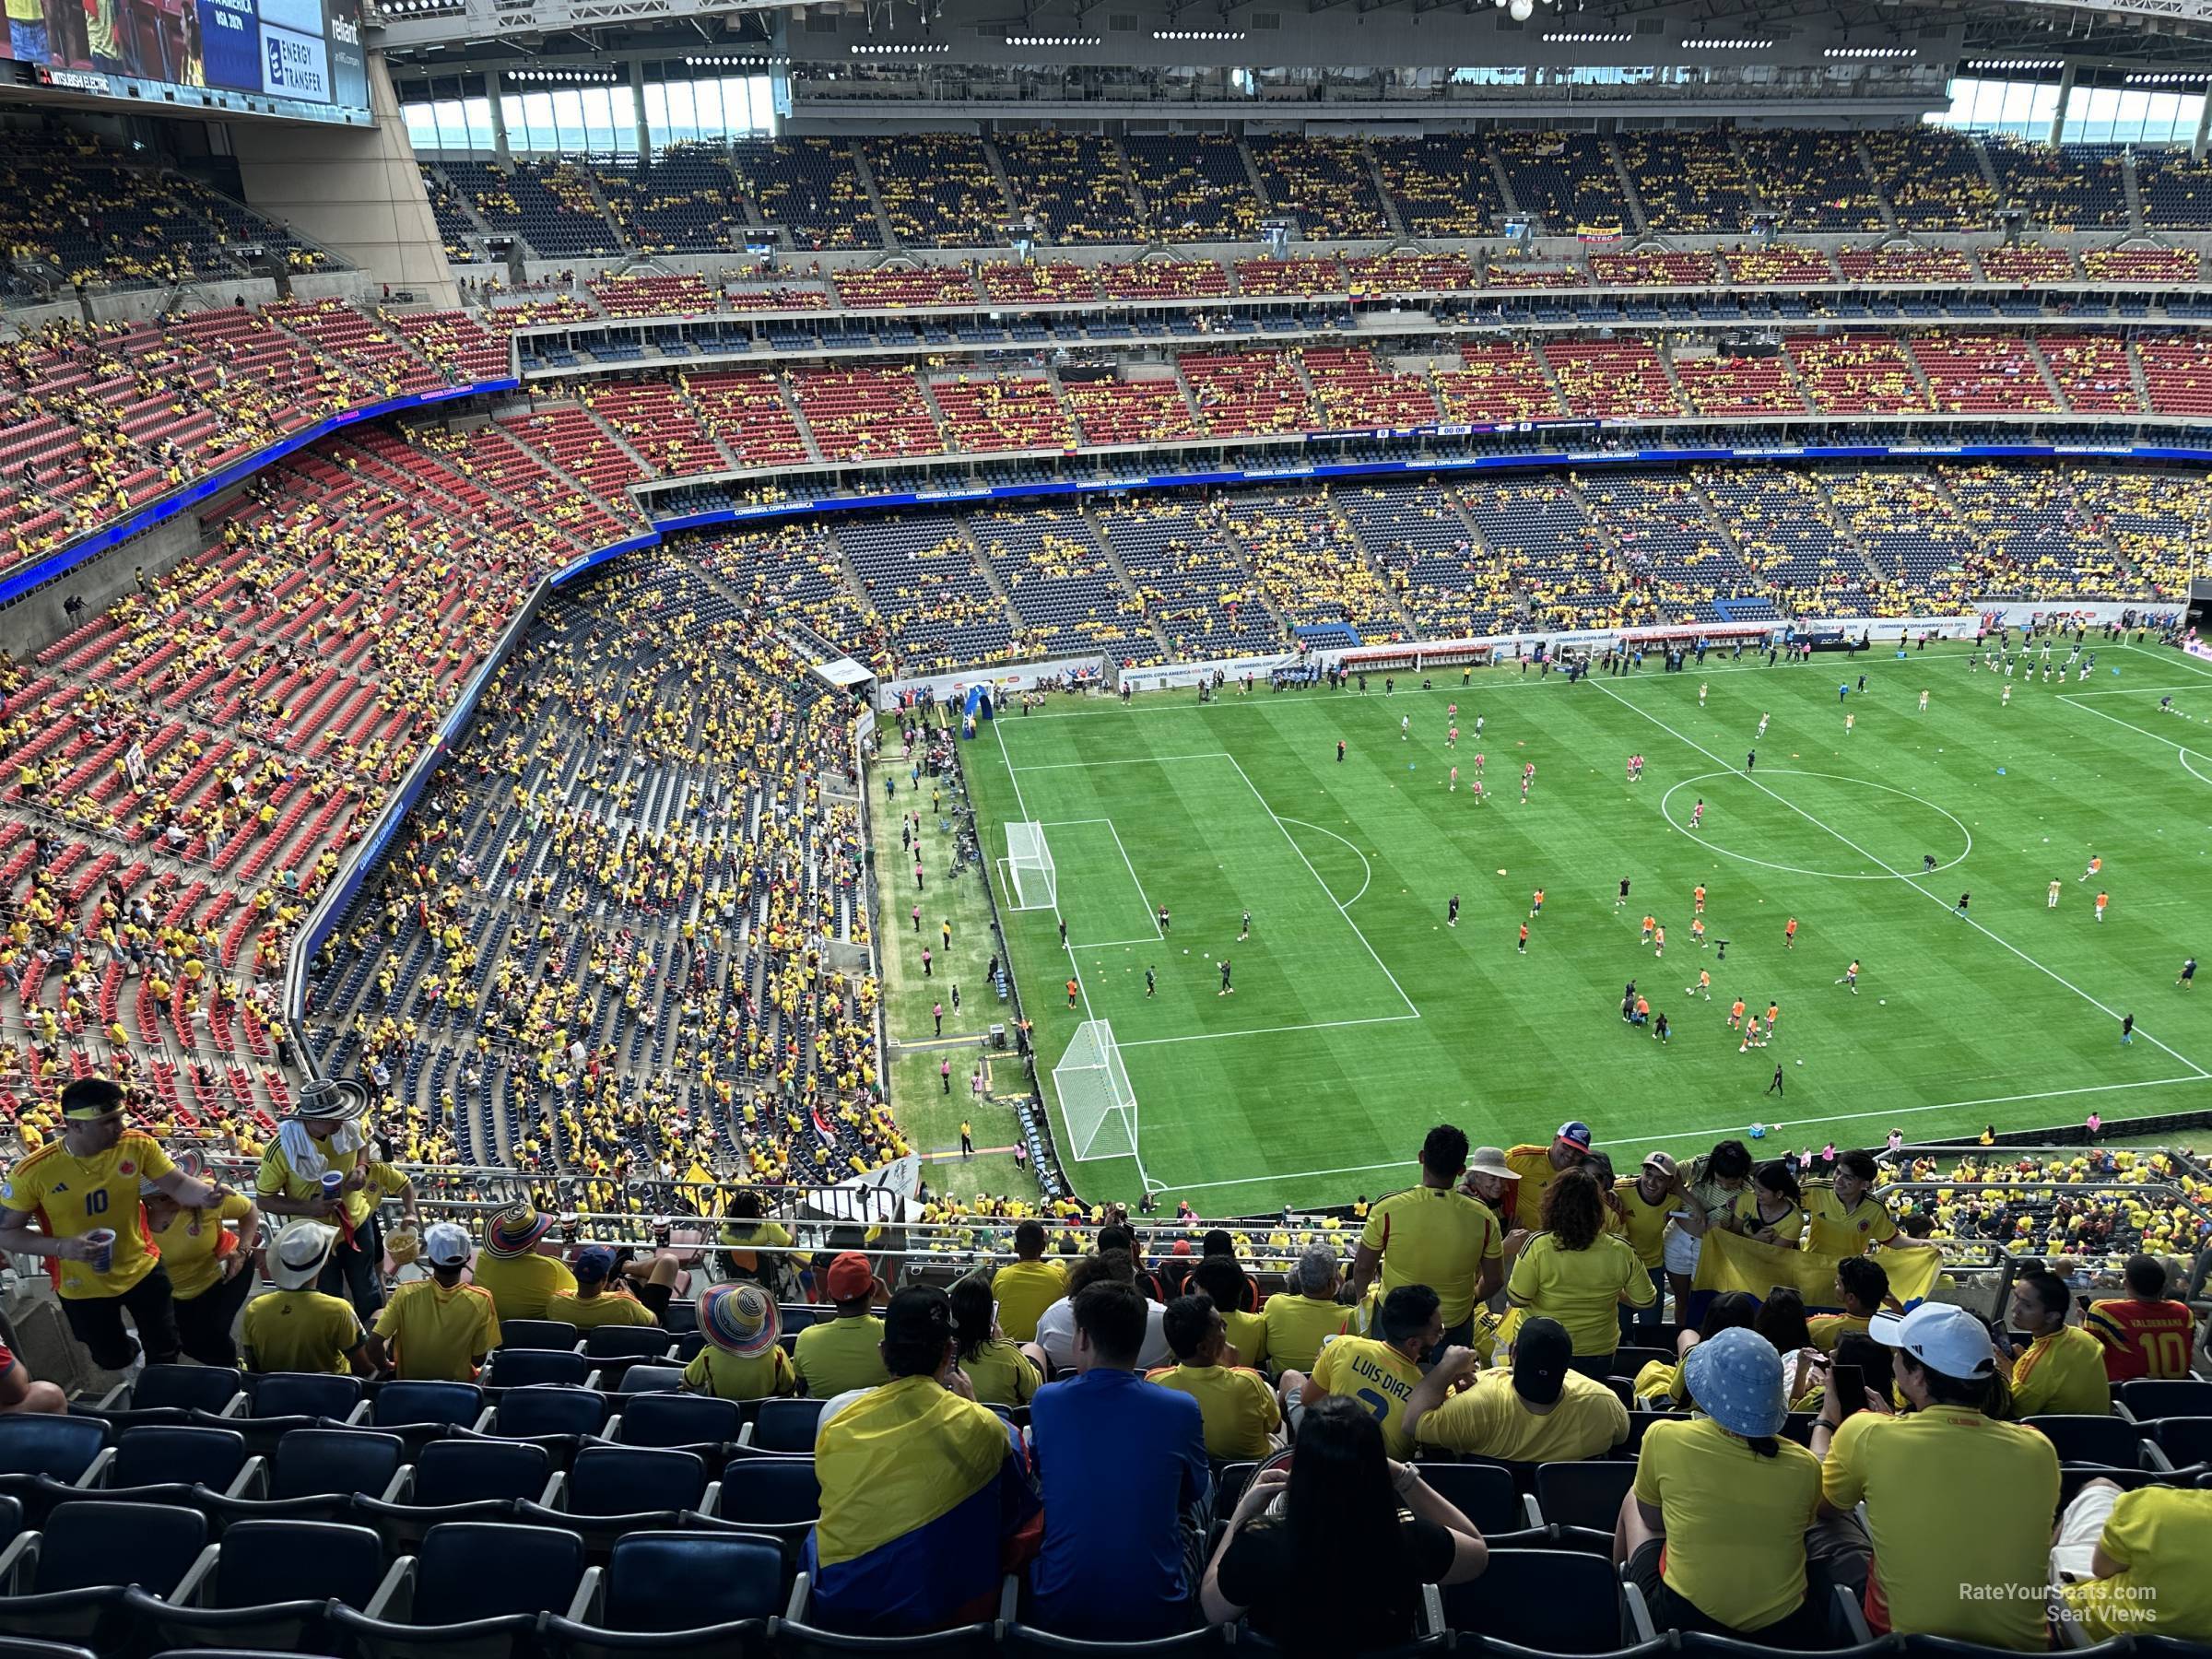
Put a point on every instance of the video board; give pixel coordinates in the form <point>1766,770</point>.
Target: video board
<point>297,58</point>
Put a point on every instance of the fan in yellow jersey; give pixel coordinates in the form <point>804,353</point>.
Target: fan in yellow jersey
<point>2061,1372</point>
<point>1579,1274</point>
<point>326,1134</point>
<point>296,1327</point>
<point>1844,1219</point>
<point>2133,1563</point>
<point>1434,1234</point>
<point>1240,1410</point>
<point>1026,1286</point>
<point>1379,1372</point>
<point>518,1267</point>
<point>606,1294</point>
<point>1305,1313</point>
<point>208,1254</point>
<point>741,1358</point>
<point>82,1191</point>
<point>1539,1167</point>
<point>1646,1202</point>
<point>437,1329</point>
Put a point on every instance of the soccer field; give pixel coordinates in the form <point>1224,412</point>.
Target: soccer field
<point>1359,1018</point>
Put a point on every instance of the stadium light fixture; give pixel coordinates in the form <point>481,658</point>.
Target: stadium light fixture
<point>899,48</point>
<point>1052,42</point>
<point>1872,52</point>
<point>1593,37</point>
<point>1726,43</point>
<point>1197,34</point>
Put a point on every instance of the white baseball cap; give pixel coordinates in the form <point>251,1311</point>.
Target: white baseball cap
<point>1945,1339</point>
<point>446,1244</point>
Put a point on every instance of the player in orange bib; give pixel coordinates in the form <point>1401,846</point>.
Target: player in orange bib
<point>1696,896</point>
<point>1789,935</point>
<point>1659,939</point>
<point>1697,930</point>
<point>1649,923</point>
<point>1773,1017</point>
<point>2103,899</point>
<point>2096,868</point>
<point>1703,987</point>
<point>1736,1012</point>
<point>1536,902</point>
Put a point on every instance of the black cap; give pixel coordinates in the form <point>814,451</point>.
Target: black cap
<point>1542,1355</point>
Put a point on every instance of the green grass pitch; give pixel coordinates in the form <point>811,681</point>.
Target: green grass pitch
<point>1359,1017</point>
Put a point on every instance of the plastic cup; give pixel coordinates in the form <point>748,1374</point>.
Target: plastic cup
<point>332,1183</point>
<point>102,1240</point>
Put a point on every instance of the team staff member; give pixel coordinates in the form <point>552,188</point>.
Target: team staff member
<point>437,1329</point>
<point>207,1254</point>
<point>326,1133</point>
<point>297,1328</point>
<point>1844,1217</point>
<point>1435,1235</point>
<point>1647,1201</point>
<point>87,1181</point>
<point>2144,1335</point>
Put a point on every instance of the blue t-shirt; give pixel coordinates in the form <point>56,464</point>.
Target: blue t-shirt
<point>1119,1458</point>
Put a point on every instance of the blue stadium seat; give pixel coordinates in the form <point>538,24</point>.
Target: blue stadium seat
<point>457,1481</point>
<point>525,1368</point>
<point>2185,1440</point>
<point>625,1342</point>
<point>650,1379</point>
<point>770,1491</point>
<point>679,1420</point>
<point>2111,1441</point>
<point>39,1450</point>
<point>272,1586</point>
<point>397,1405</point>
<point>72,1576</point>
<point>783,1426</point>
<point>167,1394</point>
<point>796,1638</point>
<point>1584,1494</point>
<point>22,1647</point>
<point>315,1474</point>
<point>537,1413</point>
<point>1024,1642</point>
<point>157,1463</point>
<point>1484,1493</point>
<point>536,1334</point>
<point>2154,1399</point>
<point>1554,1601</point>
<point>477,1589</point>
<point>678,1595</point>
<point>279,1402</point>
<point>624,1480</point>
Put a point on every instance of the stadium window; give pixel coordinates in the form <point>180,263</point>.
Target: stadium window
<point>452,129</point>
<point>683,114</point>
<point>598,121</point>
<point>538,130</point>
<point>422,125</point>
<point>1486,74</point>
<point>477,115</point>
<point>568,119</point>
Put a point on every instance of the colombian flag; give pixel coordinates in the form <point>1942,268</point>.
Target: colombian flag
<point>927,1503</point>
<point>1729,1262</point>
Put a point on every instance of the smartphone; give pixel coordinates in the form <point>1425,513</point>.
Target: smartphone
<point>1848,1383</point>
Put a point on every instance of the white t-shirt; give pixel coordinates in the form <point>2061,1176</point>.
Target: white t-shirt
<point>1057,1335</point>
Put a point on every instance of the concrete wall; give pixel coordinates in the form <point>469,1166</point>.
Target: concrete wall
<point>29,624</point>
<point>357,192</point>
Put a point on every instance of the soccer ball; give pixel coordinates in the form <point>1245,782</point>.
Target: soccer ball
<point>1186,950</point>
<point>1801,1063</point>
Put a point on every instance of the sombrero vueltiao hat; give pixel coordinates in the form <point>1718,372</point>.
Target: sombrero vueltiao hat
<point>515,1231</point>
<point>331,1100</point>
<point>739,1319</point>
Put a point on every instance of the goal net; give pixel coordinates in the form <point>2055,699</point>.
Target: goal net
<point>1095,1096</point>
<point>1030,873</point>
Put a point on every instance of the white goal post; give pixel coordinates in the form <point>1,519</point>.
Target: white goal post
<point>1030,873</point>
<point>1095,1096</point>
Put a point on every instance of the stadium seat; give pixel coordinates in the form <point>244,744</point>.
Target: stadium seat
<point>1485,1493</point>
<point>536,1334</point>
<point>470,1479</point>
<point>279,1402</point>
<point>2145,1400</point>
<point>169,1393</point>
<point>161,1463</point>
<point>405,1407</point>
<point>798,1639</point>
<point>1024,1642</point>
<point>272,1586</point>
<point>679,1420</point>
<point>527,1368</point>
<point>780,1491</point>
<point>2185,1440</point>
<point>477,1588</point>
<point>783,1426</point>
<point>39,1452</point>
<point>678,1595</point>
<point>1584,1494</point>
<point>315,1474</point>
<point>2111,1442</point>
<point>650,1379</point>
<point>625,1342</point>
<point>70,1579</point>
<point>1553,1601</point>
<point>22,1647</point>
<point>547,1414</point>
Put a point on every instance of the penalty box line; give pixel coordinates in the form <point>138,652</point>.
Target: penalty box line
<point>1908,880</point>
